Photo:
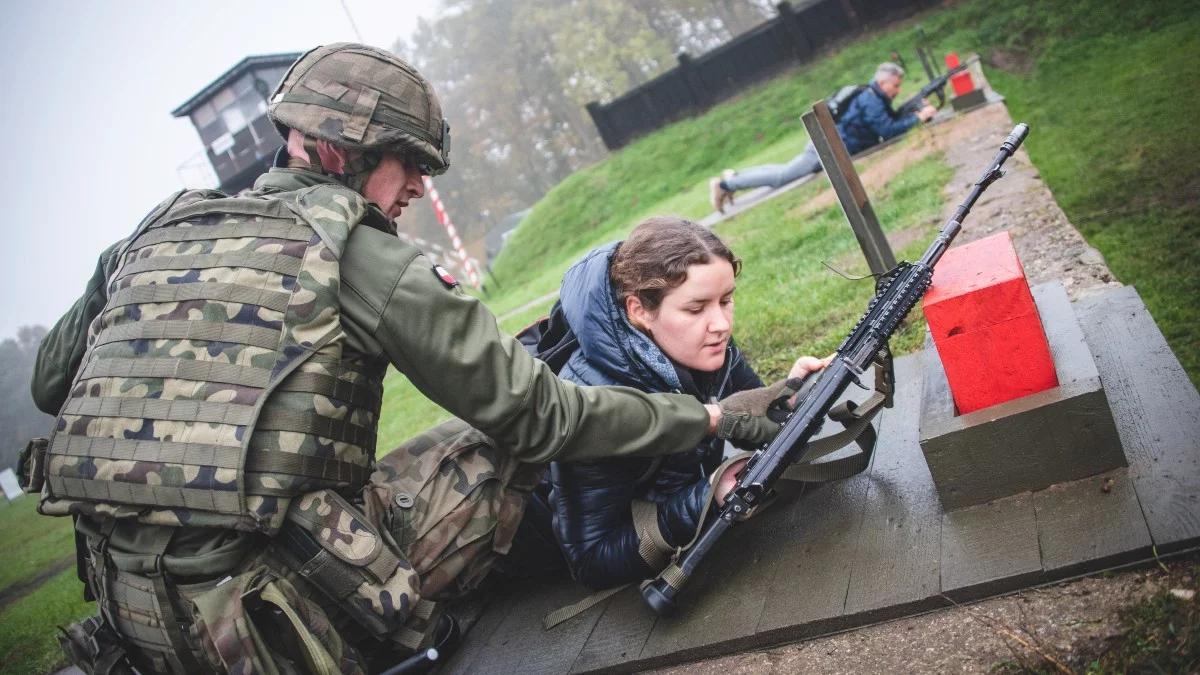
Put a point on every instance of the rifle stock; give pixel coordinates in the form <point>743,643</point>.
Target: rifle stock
<point>897,293</point>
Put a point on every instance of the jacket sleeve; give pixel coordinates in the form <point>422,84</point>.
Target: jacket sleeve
<point>449,346</point>
<point>593,523</point>
<point>882,122</point>
<point>62,349</point>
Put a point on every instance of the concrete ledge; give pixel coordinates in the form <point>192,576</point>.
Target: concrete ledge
<point>1060,434</point>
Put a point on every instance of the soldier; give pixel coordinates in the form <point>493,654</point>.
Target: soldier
<point>218,388</point>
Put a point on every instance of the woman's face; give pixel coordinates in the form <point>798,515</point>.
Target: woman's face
<point>693,324</point>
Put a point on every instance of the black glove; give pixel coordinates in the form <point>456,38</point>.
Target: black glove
<point>744,415</point>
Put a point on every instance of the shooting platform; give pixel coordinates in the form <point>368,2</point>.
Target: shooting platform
<point>880,545</point>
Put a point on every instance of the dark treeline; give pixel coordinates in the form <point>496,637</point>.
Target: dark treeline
<point>20,419</point>
<point>514,77</point>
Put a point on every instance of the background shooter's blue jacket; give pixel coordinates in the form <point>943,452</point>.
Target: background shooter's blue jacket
<point>870,120</point>
<point>592,500</point>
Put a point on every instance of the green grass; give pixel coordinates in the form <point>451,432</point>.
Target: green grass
<point>29,626</point>
<point>36,542</point>
<point>1125,167</point>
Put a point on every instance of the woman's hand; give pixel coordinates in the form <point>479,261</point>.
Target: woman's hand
<point>728,480</point>
<point>806,365</point>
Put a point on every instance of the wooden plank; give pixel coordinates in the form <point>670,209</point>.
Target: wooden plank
<point>474,647</point>
<point>990,548</point>
<point>720,607</point>
<point>1090,524</point>
<point>519,645</point>
<point>851,194</point>
<point>898,549</point>
<point>619,635</point>
<point>815,563</point>
<point>1157,410</point>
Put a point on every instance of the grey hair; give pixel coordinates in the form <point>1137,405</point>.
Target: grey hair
<point>888,69</point>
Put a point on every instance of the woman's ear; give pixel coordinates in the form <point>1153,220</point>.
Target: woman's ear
<point>637,313</point>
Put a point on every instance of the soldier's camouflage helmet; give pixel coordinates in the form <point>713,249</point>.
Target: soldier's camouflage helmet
<point>360,97</point>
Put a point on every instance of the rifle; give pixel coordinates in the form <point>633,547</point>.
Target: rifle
<point>936,85</point>
<point>896,294</point>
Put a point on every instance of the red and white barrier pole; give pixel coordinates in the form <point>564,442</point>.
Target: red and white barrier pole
<point>444,218</point>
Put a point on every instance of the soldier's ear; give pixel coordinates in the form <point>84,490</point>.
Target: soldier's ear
<point>333,158</point>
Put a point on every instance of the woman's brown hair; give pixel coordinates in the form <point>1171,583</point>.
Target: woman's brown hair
<point>656,256</point>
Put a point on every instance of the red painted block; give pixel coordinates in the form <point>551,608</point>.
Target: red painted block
<point>985,326</point>
<point>962,82</point>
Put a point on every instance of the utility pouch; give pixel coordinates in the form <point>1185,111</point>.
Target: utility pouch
<point>31,466</point>
<point>257,622</point>
<point>333,546</point>
<point>93,648</point>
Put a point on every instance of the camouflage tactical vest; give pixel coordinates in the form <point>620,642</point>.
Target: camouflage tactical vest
<point>214,387</point>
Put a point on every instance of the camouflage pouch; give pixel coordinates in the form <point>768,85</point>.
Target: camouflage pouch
<point>336,548</point>
<point>452,500</point>
<point>31,466</point>
<point>257,622</point>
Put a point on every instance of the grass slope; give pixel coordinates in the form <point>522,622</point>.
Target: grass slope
<point>1114,136</point>
<point>28,624</point>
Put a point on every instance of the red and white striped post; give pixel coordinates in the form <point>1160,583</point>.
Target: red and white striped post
<point>444,218</point>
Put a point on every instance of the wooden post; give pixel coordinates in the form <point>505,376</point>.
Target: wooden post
<point>849,189</point>
<point>801,45</point>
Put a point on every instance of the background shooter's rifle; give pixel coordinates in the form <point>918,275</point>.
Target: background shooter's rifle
<point>896,294</point>
<point>935,86</point>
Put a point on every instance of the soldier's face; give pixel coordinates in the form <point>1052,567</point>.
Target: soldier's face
<point>693,324</point>
<point>393,184</point>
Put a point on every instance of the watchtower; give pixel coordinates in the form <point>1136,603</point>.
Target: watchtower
<point>230,114</point>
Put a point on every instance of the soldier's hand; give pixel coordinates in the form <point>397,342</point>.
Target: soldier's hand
<point>925,114</point>
<point>744,414</point>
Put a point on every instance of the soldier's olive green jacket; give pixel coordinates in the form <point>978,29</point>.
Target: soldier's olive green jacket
<point>394,305</point>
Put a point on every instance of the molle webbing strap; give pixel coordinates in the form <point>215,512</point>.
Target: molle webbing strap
<point>267,262</point>
<point>308,466</point>
<point>180,369</point>
<point>227,206</point>
<point>159,496</point>
<point>236,333</point>
<point>652,547</point>
<point>156,409</point>
<point>318,425</point>
<point>331,387</point>
<point>190,454</point>
<point>217,292</point>
<point>255,229</point>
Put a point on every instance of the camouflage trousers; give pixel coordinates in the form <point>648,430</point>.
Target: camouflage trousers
<point>431,521</point>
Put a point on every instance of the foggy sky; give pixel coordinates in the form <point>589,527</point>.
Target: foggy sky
<point>86,91</point>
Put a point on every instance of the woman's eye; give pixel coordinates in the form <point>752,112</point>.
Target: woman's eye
<point>726,302</point>
<point>694,310</point>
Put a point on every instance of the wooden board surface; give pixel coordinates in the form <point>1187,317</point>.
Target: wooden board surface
<point>1157,411</point>
<point>879,544</point>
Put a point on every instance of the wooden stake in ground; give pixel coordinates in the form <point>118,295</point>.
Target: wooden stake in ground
<point>849,189</point>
